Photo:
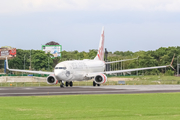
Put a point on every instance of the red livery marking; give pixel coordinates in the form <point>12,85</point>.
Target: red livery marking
<point>104,78</point>
<point>101,49</point>
<point>56,81</point>
<point>99,57</point>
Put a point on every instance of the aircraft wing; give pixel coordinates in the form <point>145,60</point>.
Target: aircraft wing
<point>127,70</point>
<point>27,71</point>
<point>136,69</point>
<point>120,61</point>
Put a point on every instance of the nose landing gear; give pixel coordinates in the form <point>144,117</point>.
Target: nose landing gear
<point>61,84</point>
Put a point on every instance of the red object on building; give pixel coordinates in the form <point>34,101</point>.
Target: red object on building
<point>12,52</point>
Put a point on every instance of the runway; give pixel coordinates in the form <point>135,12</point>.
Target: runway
<point>116,89</point>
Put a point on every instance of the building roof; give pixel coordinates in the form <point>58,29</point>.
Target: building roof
<point>52,43</point>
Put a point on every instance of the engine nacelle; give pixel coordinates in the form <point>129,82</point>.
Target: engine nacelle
<point>51,79</point>
<point>100,79</point>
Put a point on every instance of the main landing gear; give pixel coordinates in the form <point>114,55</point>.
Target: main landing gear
<point>94,84</point>
<point>69,83</point>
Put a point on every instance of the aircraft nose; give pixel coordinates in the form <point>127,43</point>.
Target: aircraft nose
<point>57,74</point>
<point>59,71</point>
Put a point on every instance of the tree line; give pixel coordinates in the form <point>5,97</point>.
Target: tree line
<point>38,60</point>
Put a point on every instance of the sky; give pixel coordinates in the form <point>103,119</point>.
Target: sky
<point>76,24</point>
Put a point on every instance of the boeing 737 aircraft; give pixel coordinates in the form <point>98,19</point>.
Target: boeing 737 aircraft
<point>79,70</point>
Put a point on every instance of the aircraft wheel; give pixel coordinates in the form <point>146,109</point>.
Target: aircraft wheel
<point>94,84</point>
<point>98,84</point>
<point>67,83</point>
<point>71,83</point>
<point>61,85</point>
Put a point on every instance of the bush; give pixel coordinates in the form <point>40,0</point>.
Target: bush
<point>169,73</point>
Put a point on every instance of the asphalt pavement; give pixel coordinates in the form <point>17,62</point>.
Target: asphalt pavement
<point>116,89</point>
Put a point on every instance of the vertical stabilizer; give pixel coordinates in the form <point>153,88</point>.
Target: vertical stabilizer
<point>100,54</point>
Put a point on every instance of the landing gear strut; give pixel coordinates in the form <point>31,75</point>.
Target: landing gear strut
<point>94,84</point>
<point>62,84</point>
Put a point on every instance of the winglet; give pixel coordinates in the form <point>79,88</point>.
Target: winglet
<point>7,67</point>
<point>172,62</point>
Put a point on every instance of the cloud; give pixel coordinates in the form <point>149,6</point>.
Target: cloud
<point>26,6</point>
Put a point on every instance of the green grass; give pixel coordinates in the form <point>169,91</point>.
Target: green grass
<point>151,77</point>
<point>136,80</point>
<point>151,80</point>
<point>92,107</point>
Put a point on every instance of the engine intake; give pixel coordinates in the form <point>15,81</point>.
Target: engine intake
<point>100,79</point>
<point>51,79</point>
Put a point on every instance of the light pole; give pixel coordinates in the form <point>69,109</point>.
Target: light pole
<point>178,66</point>
<point>48,63</point>
<point>30,59</point>
<point>24,62</point>
<point>121,67</point>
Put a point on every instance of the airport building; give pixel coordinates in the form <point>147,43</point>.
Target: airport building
<point>8,52</point>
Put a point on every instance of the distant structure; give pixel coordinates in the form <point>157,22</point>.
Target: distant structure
<point>52,43</point>
<point>53,48</point>
<point>108,66</point>
<point>106,54</point>
<point>8,52</point>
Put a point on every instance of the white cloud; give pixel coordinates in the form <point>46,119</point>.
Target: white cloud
<point>24,6</point>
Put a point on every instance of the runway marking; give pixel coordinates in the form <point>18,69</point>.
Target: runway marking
<point>64,92</point>
<point>28,88</point>
<point>80,92</point>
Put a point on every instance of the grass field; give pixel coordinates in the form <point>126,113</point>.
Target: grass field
<point>92,107</point>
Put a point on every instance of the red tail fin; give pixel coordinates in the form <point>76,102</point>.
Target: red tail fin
<point>100,54</point>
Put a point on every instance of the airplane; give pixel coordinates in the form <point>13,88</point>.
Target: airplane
<point>80,70</point>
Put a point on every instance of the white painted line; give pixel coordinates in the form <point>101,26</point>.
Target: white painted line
<point>77,92</point>
<point>46,93</point>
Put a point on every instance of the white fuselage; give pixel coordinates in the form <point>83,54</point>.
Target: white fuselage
<point>78,69</point>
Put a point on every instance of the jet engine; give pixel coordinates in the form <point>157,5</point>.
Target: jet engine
<point>100,79</point>
<point>51,79</point>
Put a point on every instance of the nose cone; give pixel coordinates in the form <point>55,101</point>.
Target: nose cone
<point>59,70</point>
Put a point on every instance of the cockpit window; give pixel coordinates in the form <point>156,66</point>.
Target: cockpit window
<point>60,68</point>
